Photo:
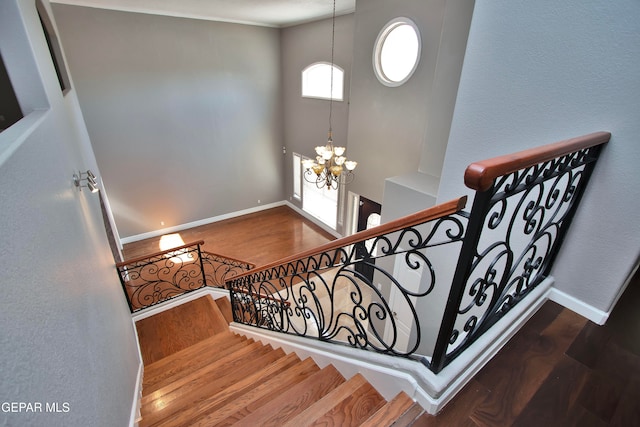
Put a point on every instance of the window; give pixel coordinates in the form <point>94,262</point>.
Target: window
<point>297,176</point>
<point>318,202</point>
<point>396,52</point>
<point>316,81</point>
<point>321,203</point>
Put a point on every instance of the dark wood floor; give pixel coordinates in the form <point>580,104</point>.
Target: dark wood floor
<point>559,370</point>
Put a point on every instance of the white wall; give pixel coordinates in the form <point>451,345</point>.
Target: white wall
<point>66,333</point>
<point>540,71</point>
<point>184,114</point>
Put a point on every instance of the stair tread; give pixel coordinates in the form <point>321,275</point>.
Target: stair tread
<point>257,396</point>
<point>230,393</point>
<point>409,417</point>
<point>224,305</point>
<point>295,400</point>
<point>219,322</point>
<point>333,400</point>
<point>390,412</point>
<point>199,347</point>
<point>221,367</point>
<point>226,379</point>
<point>353,410</point>
<point>205,388</point>
<point>170,331</point>
<point>191,359</point>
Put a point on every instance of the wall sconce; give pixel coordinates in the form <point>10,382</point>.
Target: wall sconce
<point>89,177</point>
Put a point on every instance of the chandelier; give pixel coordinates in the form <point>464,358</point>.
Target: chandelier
<point>330,168</point>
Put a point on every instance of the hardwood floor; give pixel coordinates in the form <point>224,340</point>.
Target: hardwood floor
<point>171,331</point>
<point>257,238</point>
<point>559,370</point>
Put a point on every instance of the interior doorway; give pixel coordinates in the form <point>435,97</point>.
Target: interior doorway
<point>368,217</point>
<point>368,213</point>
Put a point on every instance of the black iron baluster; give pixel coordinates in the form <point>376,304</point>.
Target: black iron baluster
<point>204,278</point>
<point>481,203</point>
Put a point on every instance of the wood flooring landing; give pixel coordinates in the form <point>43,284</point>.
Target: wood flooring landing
<point>258,238</point>
<point>173,330</point>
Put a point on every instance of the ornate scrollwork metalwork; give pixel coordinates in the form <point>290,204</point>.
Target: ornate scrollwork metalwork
<point>334,296</point>
<point>162,277</point>
<point>172,273</point>
<point>523,217</point>
<point>218,269</point>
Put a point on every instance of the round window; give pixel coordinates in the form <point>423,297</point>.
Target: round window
<point>396,52</point>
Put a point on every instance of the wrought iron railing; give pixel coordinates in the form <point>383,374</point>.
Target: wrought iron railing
<point>428,285</point>
<point>340,291</point>
<point>523,206</point>
<point>156,278</point>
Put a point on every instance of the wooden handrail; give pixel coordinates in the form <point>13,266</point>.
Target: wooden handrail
<point>157,254</point>
<point>435,212</point>
<point>480,176</point>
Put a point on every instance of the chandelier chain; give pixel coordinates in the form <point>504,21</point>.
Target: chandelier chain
<point>333,38</point>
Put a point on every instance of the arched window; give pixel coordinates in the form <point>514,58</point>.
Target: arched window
<point>316,81</point>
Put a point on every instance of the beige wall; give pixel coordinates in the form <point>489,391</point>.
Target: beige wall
<point>184,114</point>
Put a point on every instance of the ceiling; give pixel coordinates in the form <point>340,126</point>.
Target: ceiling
<point>270,13</point>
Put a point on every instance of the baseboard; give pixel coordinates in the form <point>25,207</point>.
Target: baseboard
<point>390,375</point>
<point>181,227</point>
<point>135,417</point>
<point>174,302</point>
<point>597,316</point>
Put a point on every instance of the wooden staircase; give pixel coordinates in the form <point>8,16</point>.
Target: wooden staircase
<point>226,379</point>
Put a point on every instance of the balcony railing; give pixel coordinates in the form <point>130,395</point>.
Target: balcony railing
<point>159,277</point>
<point>428,285</point>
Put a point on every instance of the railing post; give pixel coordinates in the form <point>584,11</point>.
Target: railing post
<point>124,288</point>
<point>481,204</point>
<point>204,277</point>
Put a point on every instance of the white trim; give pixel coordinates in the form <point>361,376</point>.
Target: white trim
<point>624,286</point>
<point>181,227</point>
<point>597,316</point>
<point>162,12</point>
<point>378,68</point>
<point>208,290</point>
<point>304,78</point>
<point>174,229</point>
<point>135,417</point>
<point>390,375</point>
